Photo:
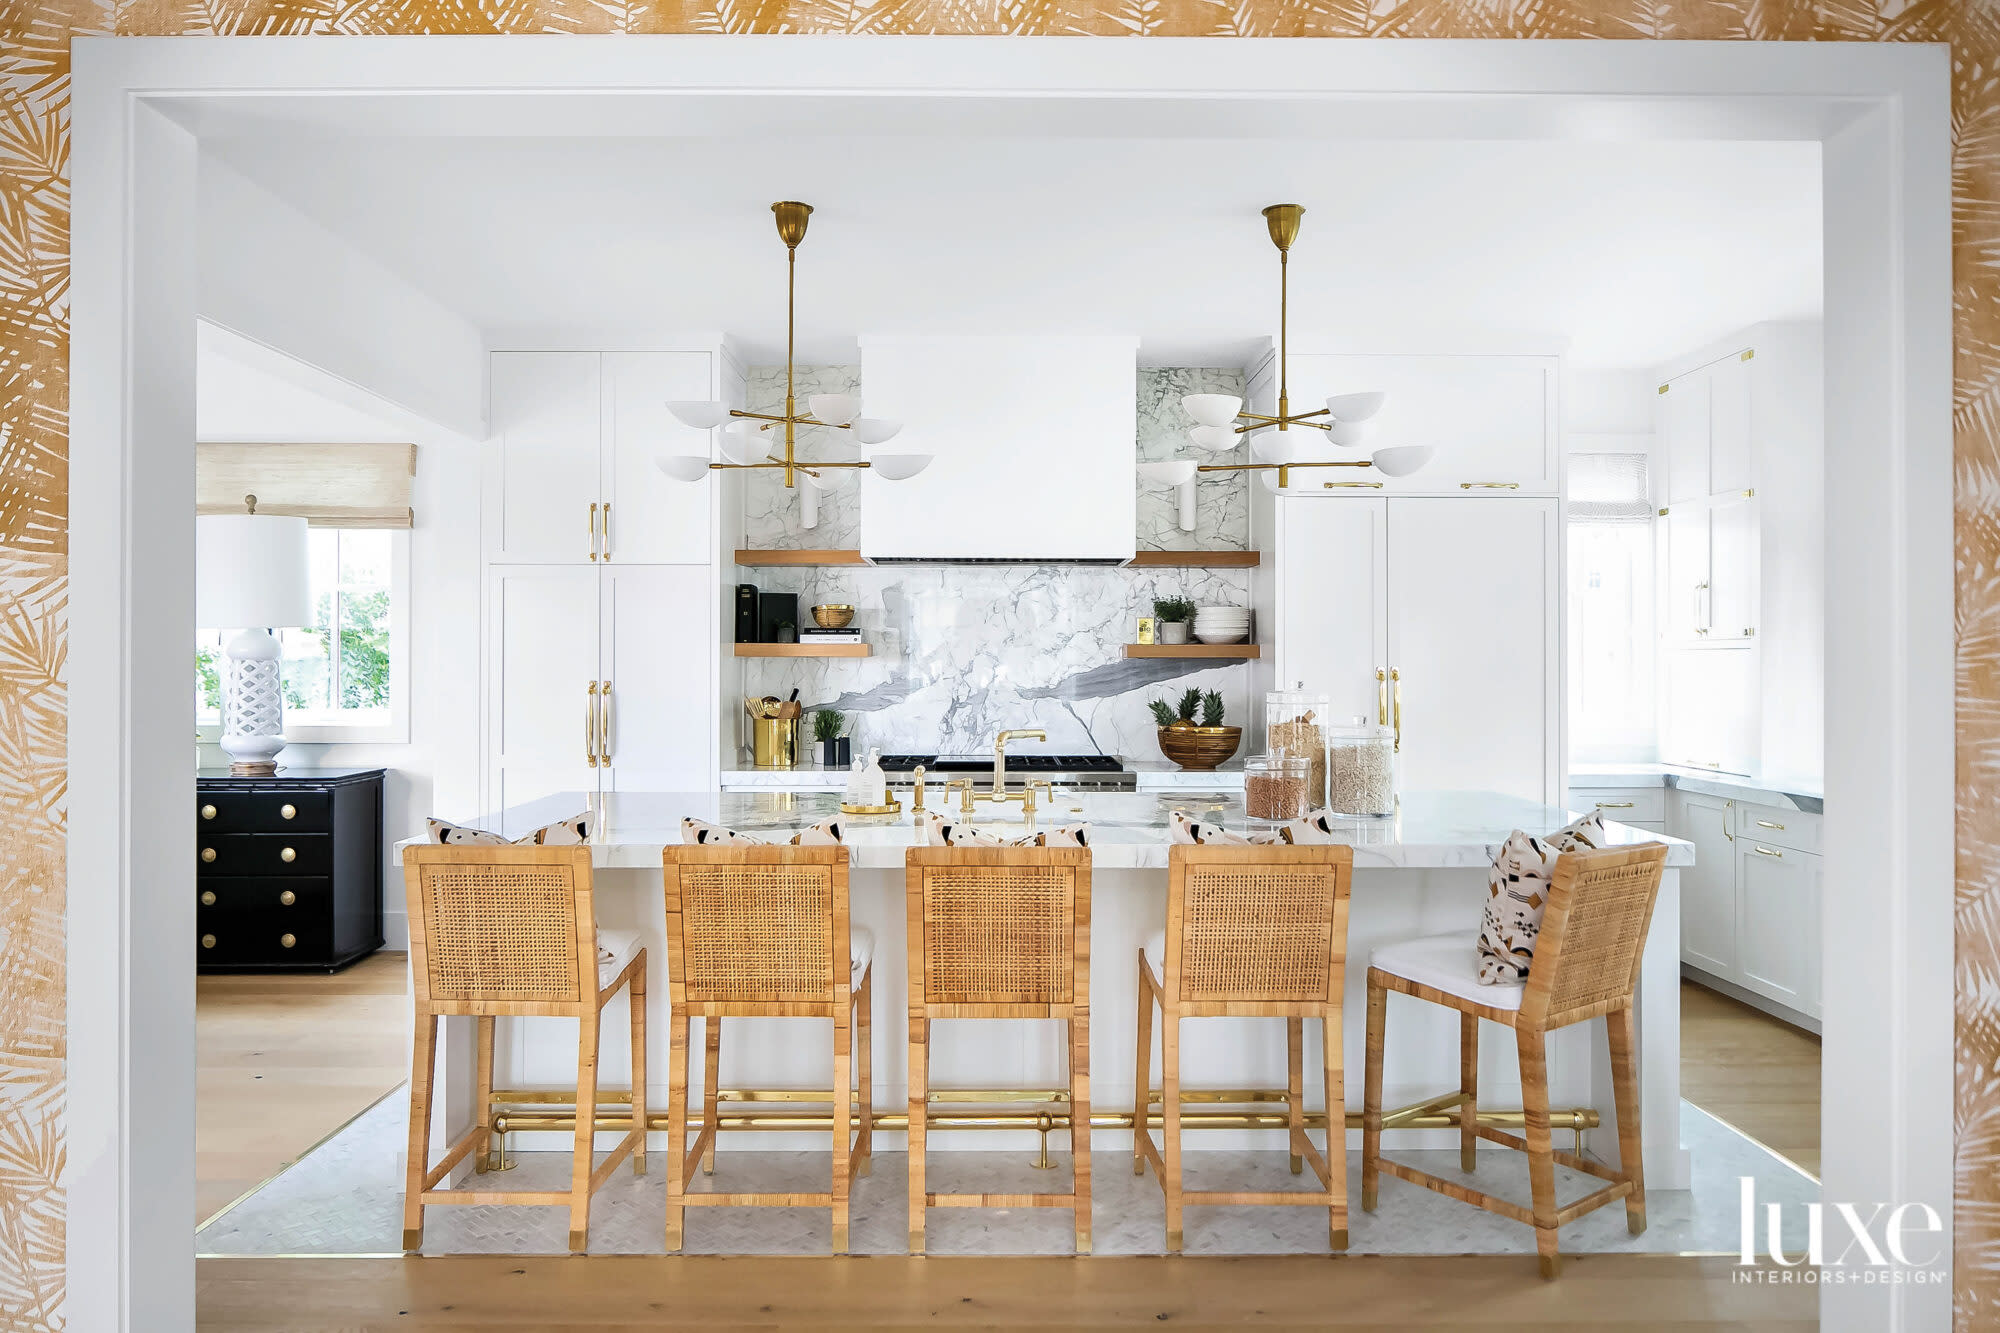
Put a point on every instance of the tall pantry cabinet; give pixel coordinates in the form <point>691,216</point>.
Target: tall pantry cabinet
<point>601,608</point>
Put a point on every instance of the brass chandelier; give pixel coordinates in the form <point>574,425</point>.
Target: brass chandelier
<point>1220,419</point>
<point>744,441</point>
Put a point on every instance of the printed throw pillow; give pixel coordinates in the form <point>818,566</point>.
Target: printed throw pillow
<point>944,832</point>
<point>699,833</point>
<point>1182,829</point>
<point>571,832</point>
<point>457,835</point>
<point>1316,827</point>
<point>1518,891</point>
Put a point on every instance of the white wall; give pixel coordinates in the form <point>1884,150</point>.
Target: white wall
<point>240,395</point>
<point>1608,402</point>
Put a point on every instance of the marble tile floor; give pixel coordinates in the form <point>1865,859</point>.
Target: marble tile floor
<point>345,1198</point>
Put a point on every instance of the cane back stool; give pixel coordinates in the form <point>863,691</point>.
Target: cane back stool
<point>511,932</point>
<point>1252,932</point>
<point>1000,932</point>
<point>1586,964</point>
<point>764,932</point>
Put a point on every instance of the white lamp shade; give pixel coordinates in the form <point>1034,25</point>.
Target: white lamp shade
<point>702,416</point>
<point>1212,409</point>
<point>1270,446</point>
<point>829,478</point>
<point>835,409</point>
<point>1171,473</point>
<point>1355,406</point>
<point>1401,460</point>
<point>744,442</point>
<point>684,467</point>
<point>1346,433</point>
<point>899,467</point>
<point>1214,437</point>
<point>876,430</point>
<point>250,572</point>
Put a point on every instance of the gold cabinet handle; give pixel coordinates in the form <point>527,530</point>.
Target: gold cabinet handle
<point>208,854</point>
<point>208,898</point>
<point>1765,851</point>
<point>1765,823</point>
<point>1396,696</point>
<point>590,726</point>
<point>1489,485</point>
<point>288,812</point>
<point>593,529</point>
<point>288,939</point>
<point>1351,485</point>
<point>1614,805</point>
<point>208,941</point>
<point>607,530</point>
<point>288,897</point>
<point>1381,697</point>
<point>287,855</point>
<point>604,720</point>
<point>208,812</point>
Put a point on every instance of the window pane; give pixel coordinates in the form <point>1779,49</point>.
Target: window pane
<point>364,557</point>
<point>1611,640</point>
<point>364,649</point>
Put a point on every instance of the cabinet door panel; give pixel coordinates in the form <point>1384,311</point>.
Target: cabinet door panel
<point>543,470</point>
<point>1732,572</point>
<point>655,519</point>
<point>1683,425</point>
<point>1690,590</point>
<point>1332,581</point>
<point>1472,632</point>
<point>1730,387</point>
<point>1708,887</point>
<point>1711,710</point>
<point>1778,926</point>
<point>542,651</point>
<point>659,644</point>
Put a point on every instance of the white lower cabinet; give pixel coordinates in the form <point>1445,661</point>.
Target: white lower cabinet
<point>1750,904</point>
<point>1777,924</point>
<point>1708,887</point>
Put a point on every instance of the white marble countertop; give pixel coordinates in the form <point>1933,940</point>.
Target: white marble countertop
<point>1153,775</point>
<point>1757,790</point>
<point>1433,830</point>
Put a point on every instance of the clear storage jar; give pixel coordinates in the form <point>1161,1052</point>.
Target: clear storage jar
<point>1361,769</point>
<point>1276,788</point>
<point>1295,723</point>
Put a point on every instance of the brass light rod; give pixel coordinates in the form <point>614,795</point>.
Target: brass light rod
<point>1284,470</point>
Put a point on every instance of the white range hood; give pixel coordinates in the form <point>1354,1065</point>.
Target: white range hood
<point>1034,441</point>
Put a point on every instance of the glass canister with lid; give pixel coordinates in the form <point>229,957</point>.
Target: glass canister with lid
<point>1275,788</point>
<point>1361,769</point>
<point>1295,723</point>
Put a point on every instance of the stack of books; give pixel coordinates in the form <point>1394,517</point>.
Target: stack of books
<point>814,634</point>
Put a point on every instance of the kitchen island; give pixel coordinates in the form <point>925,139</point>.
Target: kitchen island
<point>1423,872</point>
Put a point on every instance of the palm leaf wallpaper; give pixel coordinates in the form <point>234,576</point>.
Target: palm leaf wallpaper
<point>34,278</point>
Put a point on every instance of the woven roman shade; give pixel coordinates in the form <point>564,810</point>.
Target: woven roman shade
<point>328,485</point>
<point>1609,487</point>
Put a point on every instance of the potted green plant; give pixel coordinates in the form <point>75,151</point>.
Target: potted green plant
<point>835,750</point>
<point>1195,746</point>
<point>1171,616</point>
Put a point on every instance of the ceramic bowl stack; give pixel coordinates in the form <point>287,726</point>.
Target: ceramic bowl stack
<point>1222,624</point>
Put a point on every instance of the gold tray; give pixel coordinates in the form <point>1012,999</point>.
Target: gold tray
<point>893,808</point>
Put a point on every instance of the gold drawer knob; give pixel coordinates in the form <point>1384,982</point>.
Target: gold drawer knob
<point>288,897</point>
<point>288,940</point>
<point>208,853</point>
<point>208,898</point>
<point>208,941</point>
<point>208,812</point>
<point>288,855</point>
<point>288,811</point>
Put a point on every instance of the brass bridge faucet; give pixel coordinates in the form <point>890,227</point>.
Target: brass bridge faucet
<point>999,792</point>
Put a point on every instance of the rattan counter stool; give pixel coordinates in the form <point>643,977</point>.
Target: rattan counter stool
<point>500,932</point>
<point>764,932</point>
<point>1252,932</point>
<point>1586,964</point>
<point>1000,932</point>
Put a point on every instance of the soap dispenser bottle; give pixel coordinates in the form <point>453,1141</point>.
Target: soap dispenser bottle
<point>875,783</point>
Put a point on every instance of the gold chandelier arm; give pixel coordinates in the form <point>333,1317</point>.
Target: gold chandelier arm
<point>1281,467</point>
<point>754,416</point>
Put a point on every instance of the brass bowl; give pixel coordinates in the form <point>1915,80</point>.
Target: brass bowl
<point>1200,748</point>
<point>834,616</point>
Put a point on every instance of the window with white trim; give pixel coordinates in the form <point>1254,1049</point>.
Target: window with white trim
<point>1612,709</point>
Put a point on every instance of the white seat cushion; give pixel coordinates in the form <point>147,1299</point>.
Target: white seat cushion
<point>1449,963</point>
<point>860,949</point>
<point>615,949</point>
<point>1155,950</point>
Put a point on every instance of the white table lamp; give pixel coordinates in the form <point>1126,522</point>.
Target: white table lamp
<point>250,575</point>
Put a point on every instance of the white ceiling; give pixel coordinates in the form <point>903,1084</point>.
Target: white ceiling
<point>1629,252</point>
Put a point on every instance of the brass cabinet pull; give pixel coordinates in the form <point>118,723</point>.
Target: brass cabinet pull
<point>288,939</point>
<point>288,812</point>
<point>288,897</point>
<point>1351,485</point>
<point>1614,805</point>
<point>590,727</point>
<point>208,812</point>
<point>607,530</point>
<point>1765,823</point>
<point>208,941</point>
<point>1765,851</point>
<point>1381,697</point>
<point>287,855</point>
<point>1396,695</point>
<point>604,725</point>
<point>1489,485</point>
<point>593,529</point>
<point>208,854</point>
<point>208,897</point>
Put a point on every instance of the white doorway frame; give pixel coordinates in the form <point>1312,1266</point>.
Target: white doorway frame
<point>1880,110</point>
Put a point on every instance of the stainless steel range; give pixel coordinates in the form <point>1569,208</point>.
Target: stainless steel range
<point>1066,772</point>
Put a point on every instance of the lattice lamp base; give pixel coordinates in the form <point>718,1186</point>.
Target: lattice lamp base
<point>253,704</point>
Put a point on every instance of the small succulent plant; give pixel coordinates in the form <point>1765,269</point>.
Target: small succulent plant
<point>827,725</point>
<point>1170,609</point>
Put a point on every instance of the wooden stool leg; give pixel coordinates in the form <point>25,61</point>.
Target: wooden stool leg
<point>423,1070</point>
<point>843,1116</point>
<point>1142,1081</point>
<point>1371,1096</point>
<point>1541,1147</point>
<point>1468,1083</point>
<point>864,1074</point>
<point>678,1025</point>
<point>920,1096</point>
<point>1621,1029</point>
<point>1170,1122</point>
<point>1336,1127</point>
<point>636,1020</point>
<point>711,1084</point>
<point>587,1034</point>
<point>482,1094</point>
<point>1295,1088</point>
<point>1079,1122</point>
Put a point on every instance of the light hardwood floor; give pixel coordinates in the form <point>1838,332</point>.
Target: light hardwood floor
<point>284,1060</point>
<point>1747,1068</point>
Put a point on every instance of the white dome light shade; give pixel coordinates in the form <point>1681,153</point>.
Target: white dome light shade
<point>899,467</point>
<point>684,467</point>
<point>1355,406</point>
<point>1401,460</point>
<point>1346,434</point>
<point>835,409</point>
<point>743,442</point>
<point>702,416</point>
<point>1172,473</point>
<point>1212,409</point>
<point>1214,437</point>
<point>875,430</point>
<point>829,478</point>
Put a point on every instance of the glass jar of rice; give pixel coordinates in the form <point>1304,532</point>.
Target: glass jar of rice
<point>1361,769</point>
<point>1294,723</point>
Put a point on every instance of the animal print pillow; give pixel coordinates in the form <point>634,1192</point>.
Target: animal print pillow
<point>571,832</point>
<point>942,832</point>
<point>1316,827</point>
<point>1518,891</point>
<point>696,832</point>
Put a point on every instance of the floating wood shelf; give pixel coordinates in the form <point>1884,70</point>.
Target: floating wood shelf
<point>803,650</point>
<point>1196,559</point>
<point>1191,650</point>
<point>799,557</point>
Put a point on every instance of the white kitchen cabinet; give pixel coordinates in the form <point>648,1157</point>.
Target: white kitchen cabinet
<point>542,657</point>
<point>1729,417</point>
<point>1682,424</point>
<point>1750,904</point>
<point>1708,887</point>
<point>648,517</point>
<point>1332,575</point>
<point>657,655</point>
<point>1643,807</point>
<point>1689,595</point>
<point>1778,924</point>
<point>1732,571</point>
<point>1492,419</point>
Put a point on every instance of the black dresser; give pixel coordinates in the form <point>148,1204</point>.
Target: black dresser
<point>289,870</point>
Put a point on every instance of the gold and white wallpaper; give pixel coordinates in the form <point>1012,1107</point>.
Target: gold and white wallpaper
<point>34,266</point>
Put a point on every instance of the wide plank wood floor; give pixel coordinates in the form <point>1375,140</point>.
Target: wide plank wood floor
<point>1489,1293</point>
<point>283,1060</point>
<point>1745,1067</point>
